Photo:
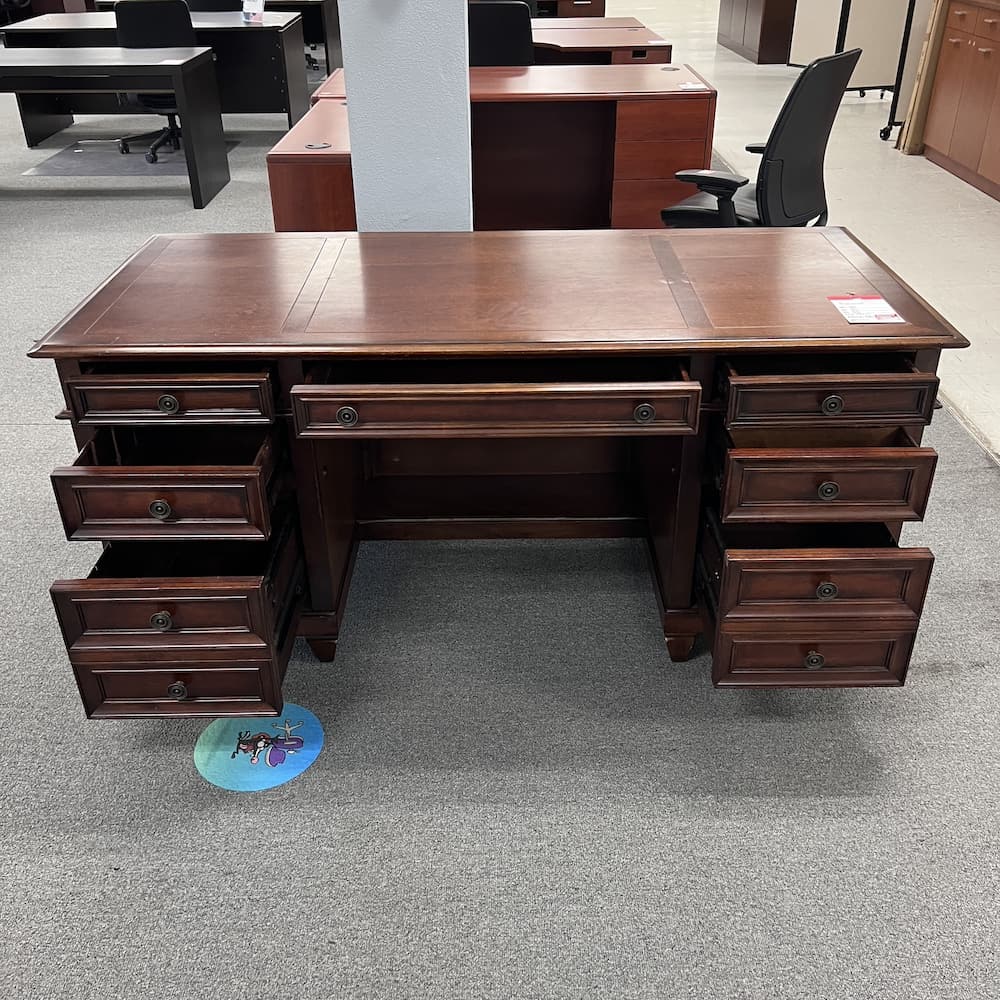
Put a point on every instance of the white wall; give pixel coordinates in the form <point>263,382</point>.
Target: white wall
<point>406,68</point>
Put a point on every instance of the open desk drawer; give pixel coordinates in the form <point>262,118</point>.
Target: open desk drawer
<point>170,483</point>
<point>543,408</point>
<point>889,481</point>
<point>826,392</point>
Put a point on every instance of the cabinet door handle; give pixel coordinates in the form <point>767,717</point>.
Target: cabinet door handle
<point>961,13</point>
<point>986,52</point>
<point>954,41</point>
<point>990,21</point>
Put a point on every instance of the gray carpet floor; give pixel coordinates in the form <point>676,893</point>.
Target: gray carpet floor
<point>519,795</point>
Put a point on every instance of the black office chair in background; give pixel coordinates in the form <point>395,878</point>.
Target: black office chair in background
<point>500,34</point>
<point>154,24</point>
<point>790,189</point>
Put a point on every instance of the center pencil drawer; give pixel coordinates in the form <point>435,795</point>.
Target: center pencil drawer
<point>881,390</point>
<point>887,481</point>
<point>170,483</point>
<point>497,410</point>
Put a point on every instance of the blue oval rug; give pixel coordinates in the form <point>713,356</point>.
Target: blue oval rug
<point>250,755</point>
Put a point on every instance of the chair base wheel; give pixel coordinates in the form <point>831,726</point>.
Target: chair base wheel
<point>885,134</point>
<point>151,157</point>
<point>123,148</point>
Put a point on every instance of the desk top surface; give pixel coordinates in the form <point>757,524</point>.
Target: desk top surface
<point>108,60</point>
<point>598,40</point>
<point>563,83</point>
<point>222,20</point>
<point>590,23</point>
<point>491,293</point>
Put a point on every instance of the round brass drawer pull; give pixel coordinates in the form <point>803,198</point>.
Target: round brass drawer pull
<point>161,621</point>
<point>168,404</point>
<point>828,491</point>
<point>644,413</point>
<point>832,405</point>
<point>160,509</point>
<point>827,591</point>
<point>814,660</point>
<point>347,416</point>
<point>178,691</point>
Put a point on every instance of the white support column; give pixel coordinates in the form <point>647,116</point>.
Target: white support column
<point>406,67</point>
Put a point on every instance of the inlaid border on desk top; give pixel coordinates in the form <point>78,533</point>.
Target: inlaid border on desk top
<point>608,291</point>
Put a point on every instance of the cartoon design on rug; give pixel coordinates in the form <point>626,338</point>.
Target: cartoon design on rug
<point>274,748</point>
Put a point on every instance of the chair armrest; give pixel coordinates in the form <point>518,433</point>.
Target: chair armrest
<point>716,182</point>
<point>756,147</point>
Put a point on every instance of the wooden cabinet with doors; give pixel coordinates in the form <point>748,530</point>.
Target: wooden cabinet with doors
<point>963,122</point>
<point>759,30</point>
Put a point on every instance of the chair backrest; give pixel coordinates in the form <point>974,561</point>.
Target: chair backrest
<point>153,24</point>
<point>500,34</point>
<point>790,186</point>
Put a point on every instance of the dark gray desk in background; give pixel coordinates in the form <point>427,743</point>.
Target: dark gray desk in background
<point>320,24</point>
<point>50,84</point>
<point>259,67</point>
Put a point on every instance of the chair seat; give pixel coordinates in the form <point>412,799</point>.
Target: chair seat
<point>701,210</point>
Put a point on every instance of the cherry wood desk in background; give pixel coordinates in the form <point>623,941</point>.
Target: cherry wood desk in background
<point>553,147</point>
<point>299,393</point>
<point>592,40</point>
<point>259,68</point>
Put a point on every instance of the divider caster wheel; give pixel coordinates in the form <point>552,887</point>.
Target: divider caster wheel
<point>885,134</point>
<point>151,157</point>
<point>123,147</point>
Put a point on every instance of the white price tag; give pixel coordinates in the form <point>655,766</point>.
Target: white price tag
<point>865,309</point>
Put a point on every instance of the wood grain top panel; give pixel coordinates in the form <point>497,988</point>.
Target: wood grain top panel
<point>561,83</point>
<point>598,40</point>
<point>498,293</point>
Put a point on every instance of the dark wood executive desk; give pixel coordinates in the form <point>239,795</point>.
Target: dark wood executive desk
<point>553,147</point>
<point>301,392</point>
<point>51,83</point>
<point>259,68</point>
<point>320,23</point>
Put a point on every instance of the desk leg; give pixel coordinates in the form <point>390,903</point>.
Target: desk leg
<point>673,498</point>
<point>201,126</point>
<point>296,84</point>
<point>42,115</point>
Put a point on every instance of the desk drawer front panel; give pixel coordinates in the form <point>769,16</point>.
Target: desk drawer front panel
<point>828,584</point>
<point>790,655</point>
<point>829,401</point>
<point>842,484</point>
<point>637,204</point>
<point>134,690</point>
<point>171,399</point>
<point>155,615</point>
<point>669,119</point>
<point>650,54</point>
<point>988,24</point>
<point>580,8</point>
<point>146,502</point>
<point>962,16</point>
<point>657,160</point>
<point>496,410</point>
<point>185,604</point>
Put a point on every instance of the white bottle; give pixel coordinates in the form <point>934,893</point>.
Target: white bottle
<point>253,11</point>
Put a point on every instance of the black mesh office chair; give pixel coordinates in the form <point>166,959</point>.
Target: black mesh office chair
<point>154,24</point>
<point>790,190</point>
<point>500,34</point>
